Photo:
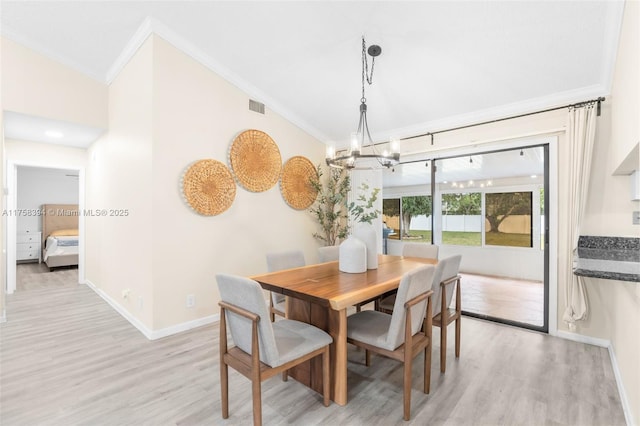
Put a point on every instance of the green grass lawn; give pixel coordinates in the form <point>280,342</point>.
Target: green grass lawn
<point>471,238</point>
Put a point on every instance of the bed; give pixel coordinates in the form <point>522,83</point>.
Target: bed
<point>60,235</point>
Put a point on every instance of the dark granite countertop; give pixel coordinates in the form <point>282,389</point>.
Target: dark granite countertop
<point>612,258</point>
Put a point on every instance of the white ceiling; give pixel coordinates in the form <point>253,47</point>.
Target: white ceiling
<point>443,63</point>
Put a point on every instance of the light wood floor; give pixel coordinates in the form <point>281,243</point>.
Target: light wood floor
<point>515,300</point>
<point>66,358</point>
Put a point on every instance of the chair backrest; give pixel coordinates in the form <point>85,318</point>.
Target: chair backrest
<point>285,260</point>
<point>412,284</point>
<point>247,294</point>
<point>447,268</point>
<point>328,253</point>
<point>428,251</point>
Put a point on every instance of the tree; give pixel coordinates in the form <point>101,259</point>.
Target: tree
<point>462,203</point>
<point>330,208</point>
<point>414,206</point>
<point>499,206</point>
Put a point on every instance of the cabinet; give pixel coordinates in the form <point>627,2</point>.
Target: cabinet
<point>29,246</point>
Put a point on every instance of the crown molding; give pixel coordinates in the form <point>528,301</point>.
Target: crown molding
<point>10,34</point>
<point>153,26</point>
<point>137,40</point>
<point>508,110</point>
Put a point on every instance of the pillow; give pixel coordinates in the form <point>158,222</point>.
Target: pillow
<point>64,232</point>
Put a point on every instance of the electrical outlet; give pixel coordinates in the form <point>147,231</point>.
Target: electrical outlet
<point>126,293</point>
<point>636,218</point>
<point>191,300</point>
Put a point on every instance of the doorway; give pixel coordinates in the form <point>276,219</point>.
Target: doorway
<point>492,207</point>
<point>28,210</point>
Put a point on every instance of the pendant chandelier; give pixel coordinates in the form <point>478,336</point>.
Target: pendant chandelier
<point>363,153</point>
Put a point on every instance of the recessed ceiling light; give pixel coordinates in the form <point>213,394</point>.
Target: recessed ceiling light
<point>534,176</point>
<point>53,134</point>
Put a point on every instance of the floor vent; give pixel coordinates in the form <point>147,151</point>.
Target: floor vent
<point>256,106</point>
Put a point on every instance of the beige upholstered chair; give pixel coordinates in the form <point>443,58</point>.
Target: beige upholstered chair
<point>443,315</point>
<point>276,262</point>
<point>328,253</point>
<point>427,251</point>
<point>403,334</point>
<point>445,277</point>
<point>262,348</point>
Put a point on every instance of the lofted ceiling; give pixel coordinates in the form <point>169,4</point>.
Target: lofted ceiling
<point>443,63</point>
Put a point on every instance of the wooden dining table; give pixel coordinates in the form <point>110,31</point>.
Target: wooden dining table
<point>320,295</point>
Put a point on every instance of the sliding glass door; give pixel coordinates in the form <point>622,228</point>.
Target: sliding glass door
<point>490,208</point>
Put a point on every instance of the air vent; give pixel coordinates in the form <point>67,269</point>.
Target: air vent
<point>256,106</point>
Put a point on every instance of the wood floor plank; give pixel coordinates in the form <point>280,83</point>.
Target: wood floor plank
<point>66,358</point>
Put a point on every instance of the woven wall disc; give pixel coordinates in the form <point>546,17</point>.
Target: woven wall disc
<point>208,187</point>
<point>255,160</point>
<point>294,184</point>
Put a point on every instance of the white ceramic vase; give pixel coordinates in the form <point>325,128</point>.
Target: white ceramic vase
<point>367,234</point>
<point>353,256</point>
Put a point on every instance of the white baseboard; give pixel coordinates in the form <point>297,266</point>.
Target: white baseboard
<point>185,326</point>
<point>628,416</point>
<point>148,333</point>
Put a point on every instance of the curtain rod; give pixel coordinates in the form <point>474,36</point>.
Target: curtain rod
<point>576,105</point>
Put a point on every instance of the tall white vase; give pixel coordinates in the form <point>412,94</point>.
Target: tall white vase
<point>367,234</point>
<point>353,256</point>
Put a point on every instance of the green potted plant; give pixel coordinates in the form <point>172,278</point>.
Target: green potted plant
<point>330,208</point>
<point>364,212</point>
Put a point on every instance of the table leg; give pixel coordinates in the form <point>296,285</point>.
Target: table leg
<point>338,330</point>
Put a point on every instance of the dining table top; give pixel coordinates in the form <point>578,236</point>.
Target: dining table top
<point>326,285</point>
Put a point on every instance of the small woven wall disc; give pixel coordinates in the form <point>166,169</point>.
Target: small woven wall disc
<point>208,187</point>
<point>255,160</point>
<point>294,184</point>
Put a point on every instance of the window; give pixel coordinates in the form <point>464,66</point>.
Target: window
<point>508,219</point>
<point>462,218</point>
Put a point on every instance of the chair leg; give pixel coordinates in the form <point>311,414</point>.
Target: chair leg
<point>367,358</point>
<point>257,399</point>
<point>224,385</point>
<point>285,375</point>
<point>326,377</point>
<point>407,388</point>
<point>458,322</point>
<point>427,369</point>
<point>443,348</point>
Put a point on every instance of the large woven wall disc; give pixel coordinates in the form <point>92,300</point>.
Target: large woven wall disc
<point>208,187</point>
<point>294,184</point>
<point>255,160</point>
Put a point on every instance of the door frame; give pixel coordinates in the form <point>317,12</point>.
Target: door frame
<point>12,205</point>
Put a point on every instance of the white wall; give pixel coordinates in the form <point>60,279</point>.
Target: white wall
<point>615,305</point>
<point>119,249</point>
<point>38,186</point>
<point>167,111</point>
<point>196,115</point>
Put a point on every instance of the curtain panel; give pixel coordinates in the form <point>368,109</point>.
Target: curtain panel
<point>581,131</point>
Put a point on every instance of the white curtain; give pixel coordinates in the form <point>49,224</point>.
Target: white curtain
<point>581,130</point>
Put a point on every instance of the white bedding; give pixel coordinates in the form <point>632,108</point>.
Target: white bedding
<point>54,247</point>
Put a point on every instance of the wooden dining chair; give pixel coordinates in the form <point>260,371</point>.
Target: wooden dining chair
<point>423,250</point>
<point>262,348</point>
<point>445,277</point>
<point>403,334</point>
<point>278,261</point>
<point>443,315</point>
